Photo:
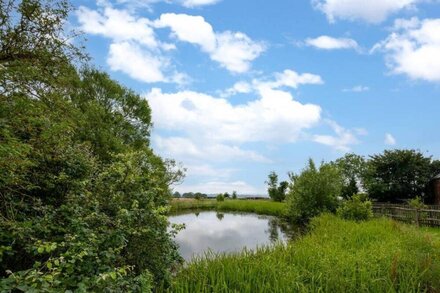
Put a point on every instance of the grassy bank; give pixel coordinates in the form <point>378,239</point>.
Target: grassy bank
<point>336,256</point>
<point>264,207</point>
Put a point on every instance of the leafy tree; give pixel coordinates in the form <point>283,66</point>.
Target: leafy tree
<point>176,194</point>
<point>276,192</point>
<point>234,194</point>
<point>220,197</point>
<point>313,191</point>
<point>398,175</point>
<point>83,198</point>
<point>226,195</point>
<point>352,167</point>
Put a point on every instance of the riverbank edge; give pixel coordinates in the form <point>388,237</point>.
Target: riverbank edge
<point>258,206</point>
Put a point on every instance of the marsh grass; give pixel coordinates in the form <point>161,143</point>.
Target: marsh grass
<point>379,255</point>
<point>263,207</point>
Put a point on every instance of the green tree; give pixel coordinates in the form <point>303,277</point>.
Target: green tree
<point>352,167</point>
<point>276,192</point>
<point>313,191</point>
<point>220,197</point>
<point>234,194</point>
<point>398,175</point>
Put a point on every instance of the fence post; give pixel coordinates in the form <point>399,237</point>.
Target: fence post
<point>417,217</point>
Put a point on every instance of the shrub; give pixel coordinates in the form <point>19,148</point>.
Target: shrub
<point>357,208</point>
<point>314,191</point>
<point>220,197</point>
<point>417,203</point>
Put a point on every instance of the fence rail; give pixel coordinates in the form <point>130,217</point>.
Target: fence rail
<point>426,216</point>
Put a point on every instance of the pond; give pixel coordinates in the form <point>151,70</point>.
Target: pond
<point>226,232</point>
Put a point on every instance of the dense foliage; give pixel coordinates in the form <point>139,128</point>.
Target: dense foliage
<point>336,256</point>
<point>398,175</point>
<point>357,208</point>
<point>313,191</point>
<point>83,197</point>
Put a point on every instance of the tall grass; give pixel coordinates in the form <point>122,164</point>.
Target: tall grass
<point>336,256</point>
<point>265,207</point>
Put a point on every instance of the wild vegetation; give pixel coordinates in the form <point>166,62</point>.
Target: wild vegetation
<point>336,256</point>
<point>84,200</point>
<point>83,196</point>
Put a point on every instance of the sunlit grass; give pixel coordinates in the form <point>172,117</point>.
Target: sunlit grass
<point>336,256</point>
<point>265,207</point>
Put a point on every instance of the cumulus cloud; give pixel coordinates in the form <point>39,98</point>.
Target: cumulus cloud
<point>389,139</point>
<point>183,148</point>
<point>330,43</point>
<point>134,48</point>
<point>130,59</point>
<point>275,116</point>
<point>372,11</point>
<point>413,48</point>
<point>232,50</point>
<point>118,25</point>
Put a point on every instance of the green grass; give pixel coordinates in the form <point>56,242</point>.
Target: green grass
<point>264,207</point>
<point>336,256</point>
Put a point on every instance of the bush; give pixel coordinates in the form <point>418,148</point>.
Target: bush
<point>314,191</point>
<point>357,208</point>
<point>220,197</point>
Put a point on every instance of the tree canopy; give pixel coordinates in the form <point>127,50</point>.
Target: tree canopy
<point>83,197</point>
<point>398,175</point>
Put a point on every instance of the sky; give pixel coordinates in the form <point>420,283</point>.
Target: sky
<point>239,88</point>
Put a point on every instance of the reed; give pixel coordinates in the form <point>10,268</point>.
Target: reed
<point>379,255</point>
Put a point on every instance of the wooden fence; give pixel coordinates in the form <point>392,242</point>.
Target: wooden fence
<point>427,216</point>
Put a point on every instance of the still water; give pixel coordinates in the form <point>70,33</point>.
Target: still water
<point>226,232</point>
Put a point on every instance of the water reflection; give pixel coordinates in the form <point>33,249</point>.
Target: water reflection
<point>226,232</point>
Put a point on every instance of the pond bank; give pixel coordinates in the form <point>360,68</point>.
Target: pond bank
<point>262,207</point>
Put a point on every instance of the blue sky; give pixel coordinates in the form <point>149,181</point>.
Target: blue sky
<point>241,88</point>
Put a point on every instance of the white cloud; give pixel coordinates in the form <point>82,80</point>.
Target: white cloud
<point>215,187</point>
<point>341,141</point>
<point>189,28</point>
<point>118,25</point>
<point>330,43</point>
<point>275,116</point>
<point>138,64</point>
<point>287,78</point>
<point>290,78</point>
<point>413,49</point>
<point>197,3</point>
<point>134,48</point>
<point>389,139</point>
<point>240,87</point>
<point>233,50</point>
<point>184,149</point>
<point>357,89</point>
<point>371,11</point>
